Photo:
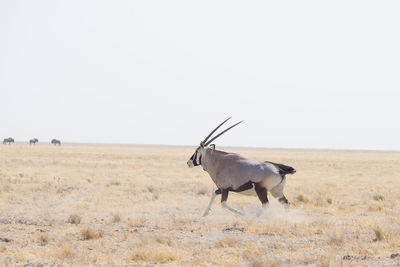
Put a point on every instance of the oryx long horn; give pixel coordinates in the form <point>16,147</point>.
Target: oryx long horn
<point>215,137</point>
<point>205,140</point>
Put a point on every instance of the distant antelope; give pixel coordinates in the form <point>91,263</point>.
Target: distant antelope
<point>56,142</point>
<point>232,172</point>
<point>8,140</point>
<point>33,141</point>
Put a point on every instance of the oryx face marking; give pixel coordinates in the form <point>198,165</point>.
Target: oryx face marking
<point>195,159</point>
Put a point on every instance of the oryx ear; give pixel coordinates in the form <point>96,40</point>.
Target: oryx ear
<point>212,146</point>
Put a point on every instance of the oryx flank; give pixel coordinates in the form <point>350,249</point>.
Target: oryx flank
<point>232,172</point>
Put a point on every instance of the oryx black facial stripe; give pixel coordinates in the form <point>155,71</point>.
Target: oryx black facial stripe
<point>196,158</point>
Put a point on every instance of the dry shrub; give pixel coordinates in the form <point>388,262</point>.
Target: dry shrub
<point>89,233</point>
<point>329,200</point>
<point>375,208</point>
<point>65,252</point>
<point>156,253</point>
<point>228,242</point>
<point>138,222</point>
<point>43,239</point>
<point>379,235</point>
<point>165,240</point>
<point>115,218</point>
<point>150,188</point>
<point>74,219</point>
<point>114,183</point>
<point>302,198</point>
<point>378,197</point>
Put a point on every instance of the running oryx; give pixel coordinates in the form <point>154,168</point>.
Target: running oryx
<point>56,142</point>
<point>8,140</point>
<point>232,172</point>
<point>33,141</point>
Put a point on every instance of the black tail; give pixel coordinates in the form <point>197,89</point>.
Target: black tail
<point>283,169</point>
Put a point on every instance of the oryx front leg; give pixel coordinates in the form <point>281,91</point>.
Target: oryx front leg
<point>213,194</point>
<point>224,198</point>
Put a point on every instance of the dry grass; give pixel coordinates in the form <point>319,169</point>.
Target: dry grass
<point>379,235</point>
<point>155,254</point>
<point>115,218</point>
<point>74,219</point>
<point>43,239</point>
<point>65,253</point>
<point>88,233</point>
<point>79,205</point>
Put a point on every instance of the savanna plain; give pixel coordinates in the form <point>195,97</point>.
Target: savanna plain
<point>110,205</point>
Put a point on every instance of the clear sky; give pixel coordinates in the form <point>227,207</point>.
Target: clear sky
<point>302,74</point>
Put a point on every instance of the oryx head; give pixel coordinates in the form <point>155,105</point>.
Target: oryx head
<point>195,159</point>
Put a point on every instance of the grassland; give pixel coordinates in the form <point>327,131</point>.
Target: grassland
<point>123,205</point>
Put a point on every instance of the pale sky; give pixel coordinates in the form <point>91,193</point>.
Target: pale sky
<point>301,74</point>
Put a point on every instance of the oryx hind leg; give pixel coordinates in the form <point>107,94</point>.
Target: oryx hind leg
<point>277,192</point>
<point>262,194</point>
<point>213,194</point>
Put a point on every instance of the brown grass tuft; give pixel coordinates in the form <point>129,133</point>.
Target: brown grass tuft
<point>89,233</point>
<point>228,242</point>
<point>43,239</point>
<point>65,252</point>
<point>302,198</point>
<point>115,218</point>
<point>137,222</point>
<point>115,183</point>
<point>156,254</point>
<point>378,197</point>
<point>74,219</point>
<point>379,235</point>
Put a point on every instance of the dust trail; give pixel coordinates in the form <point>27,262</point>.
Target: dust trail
<point>276,211</point>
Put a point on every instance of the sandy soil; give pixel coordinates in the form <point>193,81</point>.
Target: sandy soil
<point>105,205</point>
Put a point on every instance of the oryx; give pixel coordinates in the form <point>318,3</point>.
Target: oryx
<point>33,141</point>
<point>56,142</point>
<point>8,140</point>
<point>232,172</point>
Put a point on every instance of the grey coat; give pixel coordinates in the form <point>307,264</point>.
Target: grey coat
<point>229,170</point>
